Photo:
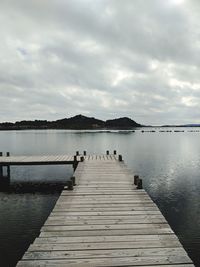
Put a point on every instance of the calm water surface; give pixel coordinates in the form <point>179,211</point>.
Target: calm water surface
<point>169,164</point>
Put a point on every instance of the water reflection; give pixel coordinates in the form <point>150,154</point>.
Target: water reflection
<point>168,162</point>
<point>22,215</point>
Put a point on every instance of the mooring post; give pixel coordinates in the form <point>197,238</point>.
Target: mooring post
<point>84,153</point>
<point>73,179</point>
<point>8,168</point>
<point>82,158</point>
<point>75,163</point>
<point>139,185</point>
<point>107,152</point>
<point>120,157</point>
<point>115,152</point>
<point>77,153</point>
<point>1,167</point>
<point>70,185</point>
<point>4,180</point>
<point>136,177</point>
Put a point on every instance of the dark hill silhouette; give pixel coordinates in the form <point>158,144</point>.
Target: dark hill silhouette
<point>76,122</point>
<point>80,122</point>
<point>121,123</point>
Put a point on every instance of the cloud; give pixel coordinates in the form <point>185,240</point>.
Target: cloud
<point>100,58</point>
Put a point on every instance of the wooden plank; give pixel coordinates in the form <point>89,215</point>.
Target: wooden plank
<point>142,231</point>
<point>104,245</point>
<point>93,222</point>
<point>100,205</point>
<point>104,213</point>
<point>124,261</point>
<point>101,199</point>
<point>87,264</point>
<point>105,217</point>
<point>98,190</point>
<point>111,253</point>
<point>65,216</point>
<point>76,209</point>
<point>114,201</point>
<point>105,194</point>
<point>51,228</point>
<point>133,195</point>
<point>105,239</point>
<point>107,197</point>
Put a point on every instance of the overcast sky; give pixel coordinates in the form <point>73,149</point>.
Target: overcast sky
<point>100,58</point>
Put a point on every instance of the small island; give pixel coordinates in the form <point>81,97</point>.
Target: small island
<point>77,122</point>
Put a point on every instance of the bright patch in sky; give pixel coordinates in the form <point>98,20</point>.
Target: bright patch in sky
<point>177,2</point>
<point>189,101</point>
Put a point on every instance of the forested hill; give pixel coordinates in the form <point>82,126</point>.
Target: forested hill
<point>76,122</point>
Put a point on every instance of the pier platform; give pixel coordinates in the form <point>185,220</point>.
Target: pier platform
<point>37,160</point>
<point>105,221</point>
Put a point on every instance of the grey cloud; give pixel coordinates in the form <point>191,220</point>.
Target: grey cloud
<point>100,58</point>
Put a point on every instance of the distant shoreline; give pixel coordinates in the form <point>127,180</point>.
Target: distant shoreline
<point>80,122</point>
<point>97,129</point>
<point>77,122</point>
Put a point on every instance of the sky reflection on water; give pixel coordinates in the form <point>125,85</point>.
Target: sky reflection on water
<point>169,164</point>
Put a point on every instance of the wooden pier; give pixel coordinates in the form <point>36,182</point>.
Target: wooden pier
<point>7,161</point>
<point>38,160</point>
<point>105,221</point>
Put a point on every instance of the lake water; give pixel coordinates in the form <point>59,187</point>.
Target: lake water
<point>168,162</point>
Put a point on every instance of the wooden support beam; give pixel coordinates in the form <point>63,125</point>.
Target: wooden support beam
<point>4,180</point>
<point>136,177</point>
<point>8,172</point>
<point>75,164</point>
<point>1,167</point>
<point>70,185</point>
<point>8,168</point>
<point>73,180</point>
<point>120,157</point>
<point>139,185</point>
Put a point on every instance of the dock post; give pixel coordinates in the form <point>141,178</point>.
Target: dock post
<point>73,179</point>
<point>139,185</point>
<point>8,168</point>
<point>77,153</point>
<point>4,180</point>
<point>136,178</point>
<point>75,163</point>
<point>115,152</point>
<point>82,158</point>
<point>70,185</point>
<point>1,167</point>
<point>107,152</point>
<point>84,153</point>
<point>120,157</point>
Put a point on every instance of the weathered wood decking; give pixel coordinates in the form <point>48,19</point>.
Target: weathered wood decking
<point>105,221</point>
<point>38,160</point>
<point>50,159</point>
